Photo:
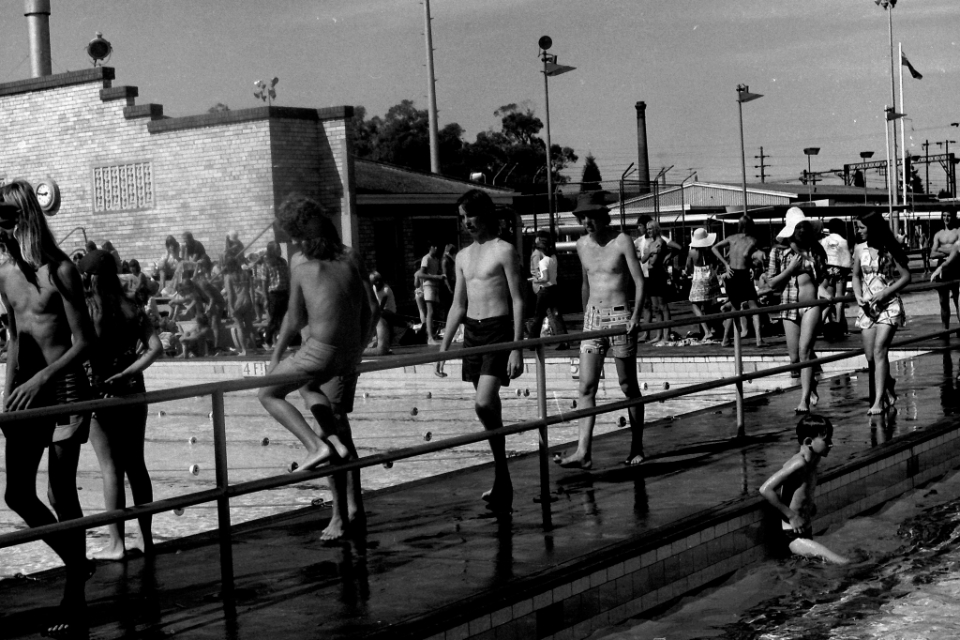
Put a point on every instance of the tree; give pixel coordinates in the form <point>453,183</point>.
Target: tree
<point>218,108</point>
<point>590,178</point>
<point>515,152</point>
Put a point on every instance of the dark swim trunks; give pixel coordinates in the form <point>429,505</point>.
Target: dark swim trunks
<point>71,386</point>
<point>740,288</point>
<point>479,333</point>
<point>655,284</point>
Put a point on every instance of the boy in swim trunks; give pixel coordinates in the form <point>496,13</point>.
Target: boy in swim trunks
<point>739,279</point>
<point>790,490</point>
<point>330,300</point>
<point>49,331</point>
<point>610,268</point>
<point>942,244</point>
<point>489,283</point>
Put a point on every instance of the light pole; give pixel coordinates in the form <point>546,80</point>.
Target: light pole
<point>810,151</point>
<point>888,6</point>
<point>550,68</point>
<point>744,95</point>
<point>865,155</point>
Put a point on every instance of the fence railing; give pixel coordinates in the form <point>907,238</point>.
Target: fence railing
<point>224,491</point>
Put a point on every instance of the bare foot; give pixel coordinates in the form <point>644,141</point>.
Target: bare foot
<point>875,410</point>
<point>892,395</point>
<point>144,546</point>
<point>726,343</point>
<point>574,461</point>
<point>499,500</point>
<point>314,460</point>
<point>814,398</point>
<point>802,409</point>
<point>340,450</point>
<point>335,531</point>
<point>113,551</point>
<point>761,344</point>
<point>634,459</point>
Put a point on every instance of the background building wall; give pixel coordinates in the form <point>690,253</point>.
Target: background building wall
<point>209,174</point>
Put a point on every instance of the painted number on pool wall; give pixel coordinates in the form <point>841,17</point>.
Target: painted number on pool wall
<point>253,369</point>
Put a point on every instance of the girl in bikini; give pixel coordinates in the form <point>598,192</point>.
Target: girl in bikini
<point>879,272</point>
<point>797,268</point>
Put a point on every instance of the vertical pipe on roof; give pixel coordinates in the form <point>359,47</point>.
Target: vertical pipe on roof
<point>643,160</point>
<point>38,29</point>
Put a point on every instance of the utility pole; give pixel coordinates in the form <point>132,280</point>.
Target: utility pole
<point>762,166</point>
<point>926,161</point>
<point>431,93</point>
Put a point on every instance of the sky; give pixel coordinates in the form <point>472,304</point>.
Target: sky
<point>822,66</point>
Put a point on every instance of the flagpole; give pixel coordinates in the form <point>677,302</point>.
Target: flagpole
<point>893,101</point>
<point>890,173</point>
<point>903,144</point>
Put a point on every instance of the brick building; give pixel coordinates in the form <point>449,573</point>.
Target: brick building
<point>131,175</point>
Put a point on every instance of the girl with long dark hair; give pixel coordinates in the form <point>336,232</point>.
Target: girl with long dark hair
<point>126,345</point>
<point>880,271</point>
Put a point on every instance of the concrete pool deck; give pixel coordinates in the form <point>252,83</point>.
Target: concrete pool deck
<point>434,564</point>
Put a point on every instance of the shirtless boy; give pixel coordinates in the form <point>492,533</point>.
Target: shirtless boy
<point>791,489</point>
<point>942,244</point>
<point>609,263</point>
<point>739,258</point>
<point>330,302</point>
<point>49,331</point>
<point>490,284</point>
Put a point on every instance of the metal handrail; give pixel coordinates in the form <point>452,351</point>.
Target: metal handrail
<point>225,491</point>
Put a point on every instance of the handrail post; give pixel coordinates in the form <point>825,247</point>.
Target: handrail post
<point>223,502</point>
<point>738,371</point>
<point>544,445</point>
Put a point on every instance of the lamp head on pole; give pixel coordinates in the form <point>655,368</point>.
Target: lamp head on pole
<point>812,151</point>
<point>886,3</point>
<point>744,95</point>
<point>866,155</point>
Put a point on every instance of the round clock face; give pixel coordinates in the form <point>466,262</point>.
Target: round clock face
<point>44,195</point>
<point>48,196</point>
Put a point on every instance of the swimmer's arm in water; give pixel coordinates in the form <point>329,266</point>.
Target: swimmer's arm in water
<point>768,490</point>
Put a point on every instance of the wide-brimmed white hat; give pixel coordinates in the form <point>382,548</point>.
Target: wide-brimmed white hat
<point>702,239</point>
<point>794,216</point>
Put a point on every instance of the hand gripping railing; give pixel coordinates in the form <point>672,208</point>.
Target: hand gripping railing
<point>224,491</point>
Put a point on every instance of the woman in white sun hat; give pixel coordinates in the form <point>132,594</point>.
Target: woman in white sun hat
<point>796,267</point>
<point>702,267</point>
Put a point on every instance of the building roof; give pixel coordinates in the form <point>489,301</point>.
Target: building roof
<point>376,181</point>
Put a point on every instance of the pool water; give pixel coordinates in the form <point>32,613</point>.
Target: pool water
<point>903,584</point>
<point>179,436</point>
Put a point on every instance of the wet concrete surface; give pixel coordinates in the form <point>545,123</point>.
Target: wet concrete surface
<point>432,549</point>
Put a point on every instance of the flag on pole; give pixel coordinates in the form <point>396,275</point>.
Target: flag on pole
<point>903,60</point>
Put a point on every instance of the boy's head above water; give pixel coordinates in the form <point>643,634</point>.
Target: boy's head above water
<point>810,427</point>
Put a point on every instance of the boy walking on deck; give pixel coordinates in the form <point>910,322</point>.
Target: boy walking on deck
<point>610,269</point>
<point>489,283</point>
<point>791,489</point>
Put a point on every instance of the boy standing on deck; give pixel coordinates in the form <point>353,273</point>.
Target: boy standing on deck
<point>489,282</point>
<point>739,277</point>
<point>610,269</point>
<point>791,489</point>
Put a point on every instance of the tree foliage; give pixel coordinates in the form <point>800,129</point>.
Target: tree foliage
<point>590,179</point>
<point>218,108</point>
<point>514,155</point>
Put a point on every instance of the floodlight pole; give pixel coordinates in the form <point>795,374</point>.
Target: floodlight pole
<point>546,57</point>
<point>744,95</point>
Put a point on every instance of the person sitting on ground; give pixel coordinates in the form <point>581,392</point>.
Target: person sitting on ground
<point>213,302</point>
<point>192,248</point>
<point>233,245</point>
<point>108,247</point>
<point>50,334</point>
<point>90,246</point>
<point>196,340</point>
<point>611,272</point>
<point>738,276</point>
<point>791,489</point>
<point>489,285</point>
<point>115,370</point>
<point>275,289</point>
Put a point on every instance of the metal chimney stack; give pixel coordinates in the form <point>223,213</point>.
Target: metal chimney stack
<point>38,25</point>
<point>643,160</point>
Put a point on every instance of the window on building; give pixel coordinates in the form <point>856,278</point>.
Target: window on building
<point>123,187</point>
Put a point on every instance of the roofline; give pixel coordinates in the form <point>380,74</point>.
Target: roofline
<point>437,176</point>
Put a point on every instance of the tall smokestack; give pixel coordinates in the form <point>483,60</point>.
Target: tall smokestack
<point>643,161</point>
<point>38,25</point>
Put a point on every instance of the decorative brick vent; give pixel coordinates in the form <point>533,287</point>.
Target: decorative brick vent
<point>123,187</point>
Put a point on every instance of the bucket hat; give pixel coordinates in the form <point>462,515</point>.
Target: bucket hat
<point>702,239</point>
